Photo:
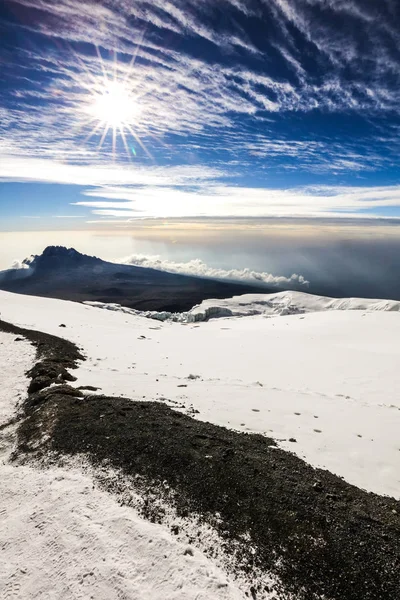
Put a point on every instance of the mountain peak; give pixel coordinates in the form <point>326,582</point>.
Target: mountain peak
<point>59,251</point>
<point>54,257</point>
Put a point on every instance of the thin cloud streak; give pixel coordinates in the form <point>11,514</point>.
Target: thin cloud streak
<point>48,171</point>
<point>227,201</point>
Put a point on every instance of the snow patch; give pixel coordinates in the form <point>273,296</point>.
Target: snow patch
<point>15,359</point>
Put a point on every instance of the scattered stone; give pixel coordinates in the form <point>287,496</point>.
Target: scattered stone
<point>89,388</point>
<point>175,529</point>
<point>331,496</point>
<point>39,383</point>
<point>62,390</point>
<point>293,440</point>
<point>62,325</point>
<point>42,396</point>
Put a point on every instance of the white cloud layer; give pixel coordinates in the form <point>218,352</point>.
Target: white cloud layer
<point>19,264</point>
<point>198,268</point>
<point>229,201</point>
<point>51,171</point>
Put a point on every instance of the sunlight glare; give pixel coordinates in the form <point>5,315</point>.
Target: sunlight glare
<point>114,105</point>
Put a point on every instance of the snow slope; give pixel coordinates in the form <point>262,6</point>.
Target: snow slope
<point>15,359</point>
<point>62,538</point>
<point>330,380</point>
<point>268,305</point>
<point>283,303</point>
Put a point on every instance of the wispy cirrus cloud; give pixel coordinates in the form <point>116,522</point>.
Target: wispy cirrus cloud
<point>206,91</point>
<point>220,87</point>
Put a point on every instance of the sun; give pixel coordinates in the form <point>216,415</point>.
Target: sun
<point>114,109</point>
<point>114,105</point>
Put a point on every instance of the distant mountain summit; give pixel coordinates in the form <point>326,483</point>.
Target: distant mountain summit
<point>67,274</point>
<point>59,257</point>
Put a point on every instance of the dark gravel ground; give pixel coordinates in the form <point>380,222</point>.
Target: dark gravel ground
<point>323,538</point>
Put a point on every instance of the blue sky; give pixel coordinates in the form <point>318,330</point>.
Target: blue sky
<point>221,108</point>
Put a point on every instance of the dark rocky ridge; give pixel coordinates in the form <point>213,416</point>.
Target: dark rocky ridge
<point>324,539</point>
<point>59,257</point>
<point>67,274</point>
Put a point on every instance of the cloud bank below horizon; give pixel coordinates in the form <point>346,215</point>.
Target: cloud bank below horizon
<point>198,268</point>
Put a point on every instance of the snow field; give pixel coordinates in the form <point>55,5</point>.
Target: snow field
<point>328,380</point>
<point>15,359</point>
<point>268,305</point>
<point>283,303</point>
<point>61,537</point>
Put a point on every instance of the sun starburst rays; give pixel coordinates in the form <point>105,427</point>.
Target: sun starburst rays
<point>112,106</point>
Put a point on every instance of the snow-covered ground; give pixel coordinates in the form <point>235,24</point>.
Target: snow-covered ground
<point>283,303</point>
<point>15,359</point>
<point>62,538</point>
<point>328,379</point>
<point>268,305</point>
